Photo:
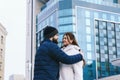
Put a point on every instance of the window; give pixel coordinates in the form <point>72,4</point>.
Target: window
<point>117,27</point>
<point>90,72</point>
<point>111,34</point>
<point>96,24</point>
<point>1,39</point>
<point>110,26</point>
<point>89,55</point>
<point>96,31</point>
<point>60,37</point>
<point>118,51</point>
<point>87,21</point>
<point>65,12</point>
<point>112,18</point>
<point>102,25</point>
<point>51,18</point>
<point>66,20</point>
<point>111,42</point>
<point>117,35</point>
<point>102,33</point>
<point>87,13</point>
<point>67,28</point>
<point>89,47</point>
<point>104,16</point>
<point>112,50</point>
<point>88,38</point>
<point>107,43</point>
<point>118,42</point>
<point>97,47</point>
<point>1,52</point>
<point>88,30</point>
<point>96,15</point>
<point>89,62</point>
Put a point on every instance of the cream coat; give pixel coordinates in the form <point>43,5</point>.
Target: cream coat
<point>74,71</point>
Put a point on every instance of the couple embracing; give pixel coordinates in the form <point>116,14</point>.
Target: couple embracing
<point>54,63</point>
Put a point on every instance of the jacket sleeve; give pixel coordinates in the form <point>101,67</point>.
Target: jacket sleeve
<point>60,56</point>
<point>78,70</point>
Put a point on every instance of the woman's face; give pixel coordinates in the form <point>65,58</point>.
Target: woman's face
<point>66,40</point>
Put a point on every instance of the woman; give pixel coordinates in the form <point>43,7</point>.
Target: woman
<point>74,71</point>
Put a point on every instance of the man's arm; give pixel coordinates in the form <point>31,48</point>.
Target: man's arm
<point>60,56</point>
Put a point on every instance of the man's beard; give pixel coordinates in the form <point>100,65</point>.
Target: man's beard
<point>55,40</point>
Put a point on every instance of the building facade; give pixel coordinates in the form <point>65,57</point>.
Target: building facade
<point>116,62</point>
<point>96,25</point>
<point>33,8</point>
<point>16,77</point>
<point>3,34</point>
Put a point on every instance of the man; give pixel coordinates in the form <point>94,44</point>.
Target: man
<point>49,55</point>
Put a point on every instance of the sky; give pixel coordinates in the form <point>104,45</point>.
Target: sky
<point>13,18</point>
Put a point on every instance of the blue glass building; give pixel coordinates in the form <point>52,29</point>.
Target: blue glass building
<point>96,25</point>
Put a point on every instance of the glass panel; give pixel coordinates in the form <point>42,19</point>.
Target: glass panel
<point>88,38</point>
<point>68,28</point>
<point>89,62</point>
<point>96,31</point>
<point>102,33</point>
<point>96,15</point>
<point>96,24</point>
<point>111,34</point>
<point>65,20</point>
<point>89,47</point>
<point>118,51</point>
<point>87,13</point>
<point>118,42</point>
<point>117,35</point>
<point>112,18</point>
<point>108,38</point>
<point>88,30</point>
<point>65,12</point>
<point>88,22</point>
<point>60,37</point>
<point>117,27</point>
<point>89,55</point>
<point>110,26</point>
<point>102,25</point>
<point>119,19</point>
<point>111,42</point>
<point>104,16</point>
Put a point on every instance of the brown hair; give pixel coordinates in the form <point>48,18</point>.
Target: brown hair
<point>70,36</point>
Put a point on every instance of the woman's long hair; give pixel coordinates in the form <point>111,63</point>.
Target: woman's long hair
<point>70,36</point>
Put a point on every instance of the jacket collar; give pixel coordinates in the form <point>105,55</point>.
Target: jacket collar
<point>48,40</point>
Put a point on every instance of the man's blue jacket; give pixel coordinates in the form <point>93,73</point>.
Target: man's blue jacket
<point>47,60</point>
